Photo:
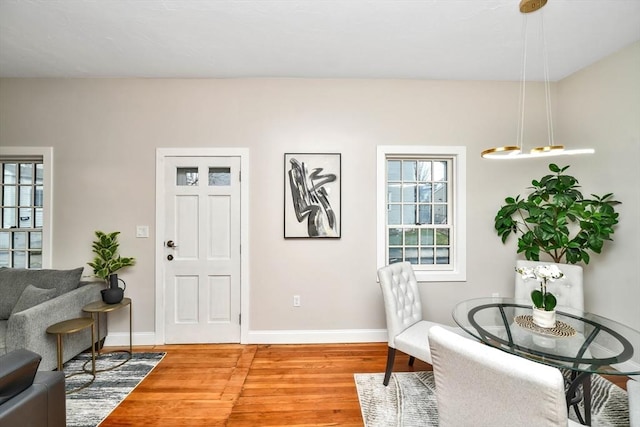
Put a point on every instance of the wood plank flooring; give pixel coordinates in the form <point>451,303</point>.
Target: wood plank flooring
<point>256,385</point>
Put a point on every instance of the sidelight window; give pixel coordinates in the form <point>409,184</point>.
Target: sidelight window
<point>23,210</point>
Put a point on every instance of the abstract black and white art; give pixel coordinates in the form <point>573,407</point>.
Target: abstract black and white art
<point>312,195</point>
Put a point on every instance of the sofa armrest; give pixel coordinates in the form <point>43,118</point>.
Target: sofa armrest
<point>27,328</point>
<point>17,370</point>
<point>41,404</point>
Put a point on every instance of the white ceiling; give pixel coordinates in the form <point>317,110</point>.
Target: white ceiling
<point>425,39</point>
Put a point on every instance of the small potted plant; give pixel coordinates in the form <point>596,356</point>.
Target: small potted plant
<point>544,302</point>
<point>106,262</point>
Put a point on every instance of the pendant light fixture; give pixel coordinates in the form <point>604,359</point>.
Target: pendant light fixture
<point>551,149</point>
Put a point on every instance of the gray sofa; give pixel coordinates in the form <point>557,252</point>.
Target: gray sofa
<point>28,397</point>
<point>33,300</point>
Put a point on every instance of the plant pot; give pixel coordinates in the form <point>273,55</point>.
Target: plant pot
<point>544,318</point>
<point>112,295</point>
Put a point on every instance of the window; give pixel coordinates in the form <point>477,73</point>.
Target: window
<point>421,210</point>
<point>25,207</point>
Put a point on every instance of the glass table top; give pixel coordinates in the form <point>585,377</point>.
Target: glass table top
<point>581,341</point>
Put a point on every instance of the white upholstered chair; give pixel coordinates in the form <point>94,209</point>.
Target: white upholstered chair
<point>407,331</point>
<point>568,290</point>
<point>478,385</point>
<point>633,391</point>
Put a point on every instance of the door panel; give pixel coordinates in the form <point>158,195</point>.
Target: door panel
<point>186,226</point>
<point>202,268</point>
<point>220,221</point>
<point>186,300</point>
<point>220,295</point>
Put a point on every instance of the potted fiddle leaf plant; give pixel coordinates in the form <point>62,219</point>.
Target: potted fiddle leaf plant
<point>107,262</point>
<point>556,220</point>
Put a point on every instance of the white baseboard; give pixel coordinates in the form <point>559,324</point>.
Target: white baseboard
<point>317,336</point>
<point>121,339</point>
<point>331,336</point>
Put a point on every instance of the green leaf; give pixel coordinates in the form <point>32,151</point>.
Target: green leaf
<point>554,168</point>
<point>537,298</point>
<point>549,301</point>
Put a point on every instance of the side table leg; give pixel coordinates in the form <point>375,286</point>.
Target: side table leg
<point>59,348</point>
<point>93,351</point>
<point>98,329</point>
<point>130,330</point>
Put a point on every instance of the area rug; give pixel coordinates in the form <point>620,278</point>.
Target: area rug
<point>89,406</point>
<point>409,401</point>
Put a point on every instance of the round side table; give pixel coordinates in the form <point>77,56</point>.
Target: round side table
<point>71,326</point>
<point>97,307</point>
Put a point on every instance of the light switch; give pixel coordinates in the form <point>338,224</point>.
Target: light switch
<point>142,231</point>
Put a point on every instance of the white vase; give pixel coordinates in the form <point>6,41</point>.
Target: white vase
<point>544,318</point>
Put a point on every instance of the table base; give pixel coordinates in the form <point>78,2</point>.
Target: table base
<point>110,368</point>
<point>575,395</point>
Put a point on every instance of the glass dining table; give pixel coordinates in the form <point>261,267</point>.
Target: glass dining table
<point>582,343</point>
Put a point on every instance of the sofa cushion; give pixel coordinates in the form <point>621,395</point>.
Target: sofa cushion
<point>32,296</point>
<point>13,282</point>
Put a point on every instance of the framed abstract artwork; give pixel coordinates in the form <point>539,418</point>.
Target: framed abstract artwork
<point>312,199</point>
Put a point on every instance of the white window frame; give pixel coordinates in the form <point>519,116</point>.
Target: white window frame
<point>458,270</point>
<point>46,153</point>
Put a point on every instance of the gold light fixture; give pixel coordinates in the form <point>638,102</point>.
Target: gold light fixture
<point>551,149</point>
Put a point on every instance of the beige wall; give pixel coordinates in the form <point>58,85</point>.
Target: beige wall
<point>105,133</point>
<point>600,107</point>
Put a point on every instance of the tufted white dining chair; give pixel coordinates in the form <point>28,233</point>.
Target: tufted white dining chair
<point>478,385</point>
<point>406,329</point>
<point>567,290</point>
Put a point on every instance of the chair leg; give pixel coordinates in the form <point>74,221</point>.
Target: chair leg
<point>391,355</point>
<point>411,360</point>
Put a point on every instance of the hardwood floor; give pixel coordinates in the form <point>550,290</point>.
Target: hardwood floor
<point>256,385</point>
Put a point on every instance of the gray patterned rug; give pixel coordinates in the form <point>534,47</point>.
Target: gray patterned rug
<point>89,406</point>
<point>409,401</point>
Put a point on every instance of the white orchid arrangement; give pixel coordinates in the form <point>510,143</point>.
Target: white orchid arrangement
<point>542,273</point>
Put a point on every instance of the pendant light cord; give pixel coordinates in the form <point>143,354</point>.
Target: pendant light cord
<point>523,89</point>
<point>547,84</point>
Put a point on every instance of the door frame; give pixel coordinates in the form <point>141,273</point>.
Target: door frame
<point>161,155</point>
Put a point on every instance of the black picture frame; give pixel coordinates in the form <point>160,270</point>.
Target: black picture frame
<point>312,195</point>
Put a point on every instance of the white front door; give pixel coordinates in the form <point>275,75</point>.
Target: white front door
<point>201,249</point>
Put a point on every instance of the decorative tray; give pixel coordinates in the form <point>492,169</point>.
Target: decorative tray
<point>561,329</point>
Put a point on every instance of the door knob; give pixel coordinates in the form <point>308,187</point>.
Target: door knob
<point>170,257</point>
<point>170,244</point>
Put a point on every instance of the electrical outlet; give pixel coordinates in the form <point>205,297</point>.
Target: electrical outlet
<point>296,300</point>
